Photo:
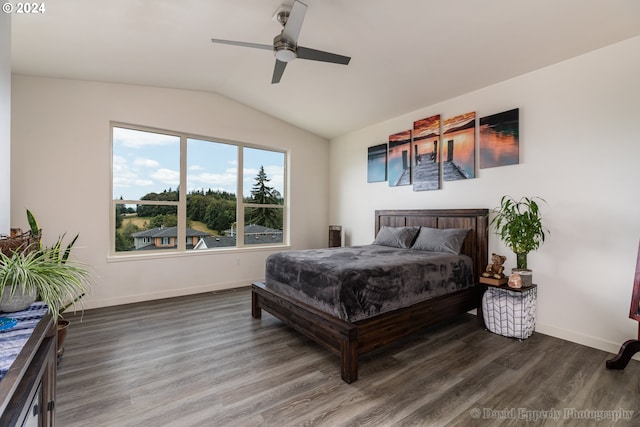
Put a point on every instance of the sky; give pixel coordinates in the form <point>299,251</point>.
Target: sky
<point>145,162</point>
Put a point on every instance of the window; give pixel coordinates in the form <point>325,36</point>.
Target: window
<point>263,196</point>
<point>177,192</point>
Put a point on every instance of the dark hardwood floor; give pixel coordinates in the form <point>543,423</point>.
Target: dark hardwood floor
<point>203,361</point>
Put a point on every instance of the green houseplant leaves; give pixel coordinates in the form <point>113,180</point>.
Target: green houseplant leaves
<point>58,281</point>
<point>518,223</point>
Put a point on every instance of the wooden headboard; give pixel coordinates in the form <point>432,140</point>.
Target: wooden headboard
<point>476,243</point>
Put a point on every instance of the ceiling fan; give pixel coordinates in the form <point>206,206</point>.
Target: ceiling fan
<point>285,45</point>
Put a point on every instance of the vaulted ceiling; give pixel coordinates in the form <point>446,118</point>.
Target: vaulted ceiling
<point>406,54</point>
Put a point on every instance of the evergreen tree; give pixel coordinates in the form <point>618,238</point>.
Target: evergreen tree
<point>263,194</point>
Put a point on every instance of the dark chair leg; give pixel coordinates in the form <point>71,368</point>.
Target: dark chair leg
<point>628,349</point>
<point>256,310</point>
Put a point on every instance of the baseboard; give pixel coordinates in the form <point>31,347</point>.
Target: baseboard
<point>589,341</point>
<point>578,338</point>
<point>129,299</point>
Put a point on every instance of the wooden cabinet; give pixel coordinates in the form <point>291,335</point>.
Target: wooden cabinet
<point>27,390</point>
<point>335,236</point>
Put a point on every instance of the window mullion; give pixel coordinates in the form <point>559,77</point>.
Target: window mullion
<point>240,200</point>
<point>182,197</point>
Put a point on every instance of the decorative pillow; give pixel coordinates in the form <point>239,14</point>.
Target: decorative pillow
<point>397,237</point>
<point>440,239</point>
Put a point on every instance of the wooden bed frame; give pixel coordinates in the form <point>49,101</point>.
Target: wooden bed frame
<point>351,339</point>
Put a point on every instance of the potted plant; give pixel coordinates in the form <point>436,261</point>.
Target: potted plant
<point>41,274</point>
<point>518,223</point>
<point>46,273</point>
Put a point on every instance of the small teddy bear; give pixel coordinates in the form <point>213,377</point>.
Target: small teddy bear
<point>495,269</point>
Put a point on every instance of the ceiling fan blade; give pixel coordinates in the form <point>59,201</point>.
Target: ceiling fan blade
<point>293,26</point>
<point>244,44</point>
<point>277,71</point>
<point>320,55</point>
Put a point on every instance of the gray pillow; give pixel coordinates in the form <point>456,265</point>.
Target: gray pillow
<point>397,237</point>
<point>440,239</point>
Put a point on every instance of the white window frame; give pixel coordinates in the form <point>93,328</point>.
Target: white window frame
<point>181,204</point>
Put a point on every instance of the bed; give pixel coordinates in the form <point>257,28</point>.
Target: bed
<point>350,336</point>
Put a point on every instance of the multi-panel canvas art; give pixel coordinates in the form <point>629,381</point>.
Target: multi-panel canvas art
<point>435,151</point>
<point>377,163</point>
<point>499,139</point>
<point>400,159</point>
<point>459,147</point>
<point>426,160</point>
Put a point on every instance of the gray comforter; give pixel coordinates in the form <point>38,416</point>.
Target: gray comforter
<point>358,282</point>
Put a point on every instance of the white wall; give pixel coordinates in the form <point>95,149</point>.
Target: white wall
<point>5,122</point>
<point>579,150</point>
<point>61,163</point>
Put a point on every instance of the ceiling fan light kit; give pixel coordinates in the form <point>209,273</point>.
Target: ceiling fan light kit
<point>285,45</point>
<point>283,50</point>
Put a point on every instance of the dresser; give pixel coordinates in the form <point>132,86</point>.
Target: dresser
<point>28,369</point>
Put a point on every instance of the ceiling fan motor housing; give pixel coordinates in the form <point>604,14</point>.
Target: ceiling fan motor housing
<point>283,50</point>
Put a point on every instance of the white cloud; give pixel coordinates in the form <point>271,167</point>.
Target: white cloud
<point>149,163</point>
<point>217,179</point>
<point>143,182</point>
<point>166,176</point>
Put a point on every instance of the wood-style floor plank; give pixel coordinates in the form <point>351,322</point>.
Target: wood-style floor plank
<point>202,360</point>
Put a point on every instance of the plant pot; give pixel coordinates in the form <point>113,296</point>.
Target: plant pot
<point>525,274</point>
<point>63,326</point>
<point>19,301</point>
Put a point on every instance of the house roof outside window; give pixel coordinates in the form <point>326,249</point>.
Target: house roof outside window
<point>167,232</point>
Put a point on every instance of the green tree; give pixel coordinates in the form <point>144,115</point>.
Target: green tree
<point>220,214</point>
<point>124,240</point>
<point>153,210</point>
<point>263,194</point>
<point>167,220</point>
<point>118,217</point>
<point>197,206</point>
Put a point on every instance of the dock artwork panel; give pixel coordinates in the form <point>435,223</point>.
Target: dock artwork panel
<point>459,147</point>
<point>400,159</point>
<point>499,139</point>
<point>377,163</point>
<point>426,154</point>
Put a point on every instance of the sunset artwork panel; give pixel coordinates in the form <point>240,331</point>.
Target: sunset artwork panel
<point>499,139</point>
<point>426,154</point>
<point>377,163</point>
<point>400,159</point>
<point>459,147</point>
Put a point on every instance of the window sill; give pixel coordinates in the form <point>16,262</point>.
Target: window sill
<point>127,257</point>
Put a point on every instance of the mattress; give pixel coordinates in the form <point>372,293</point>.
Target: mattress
<point>359,282</point>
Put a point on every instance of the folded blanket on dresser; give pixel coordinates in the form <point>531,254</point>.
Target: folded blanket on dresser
<point>359,282</point>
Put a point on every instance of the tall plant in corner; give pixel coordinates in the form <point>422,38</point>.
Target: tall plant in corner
<point>62,296</point>
<point>518,223</point>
